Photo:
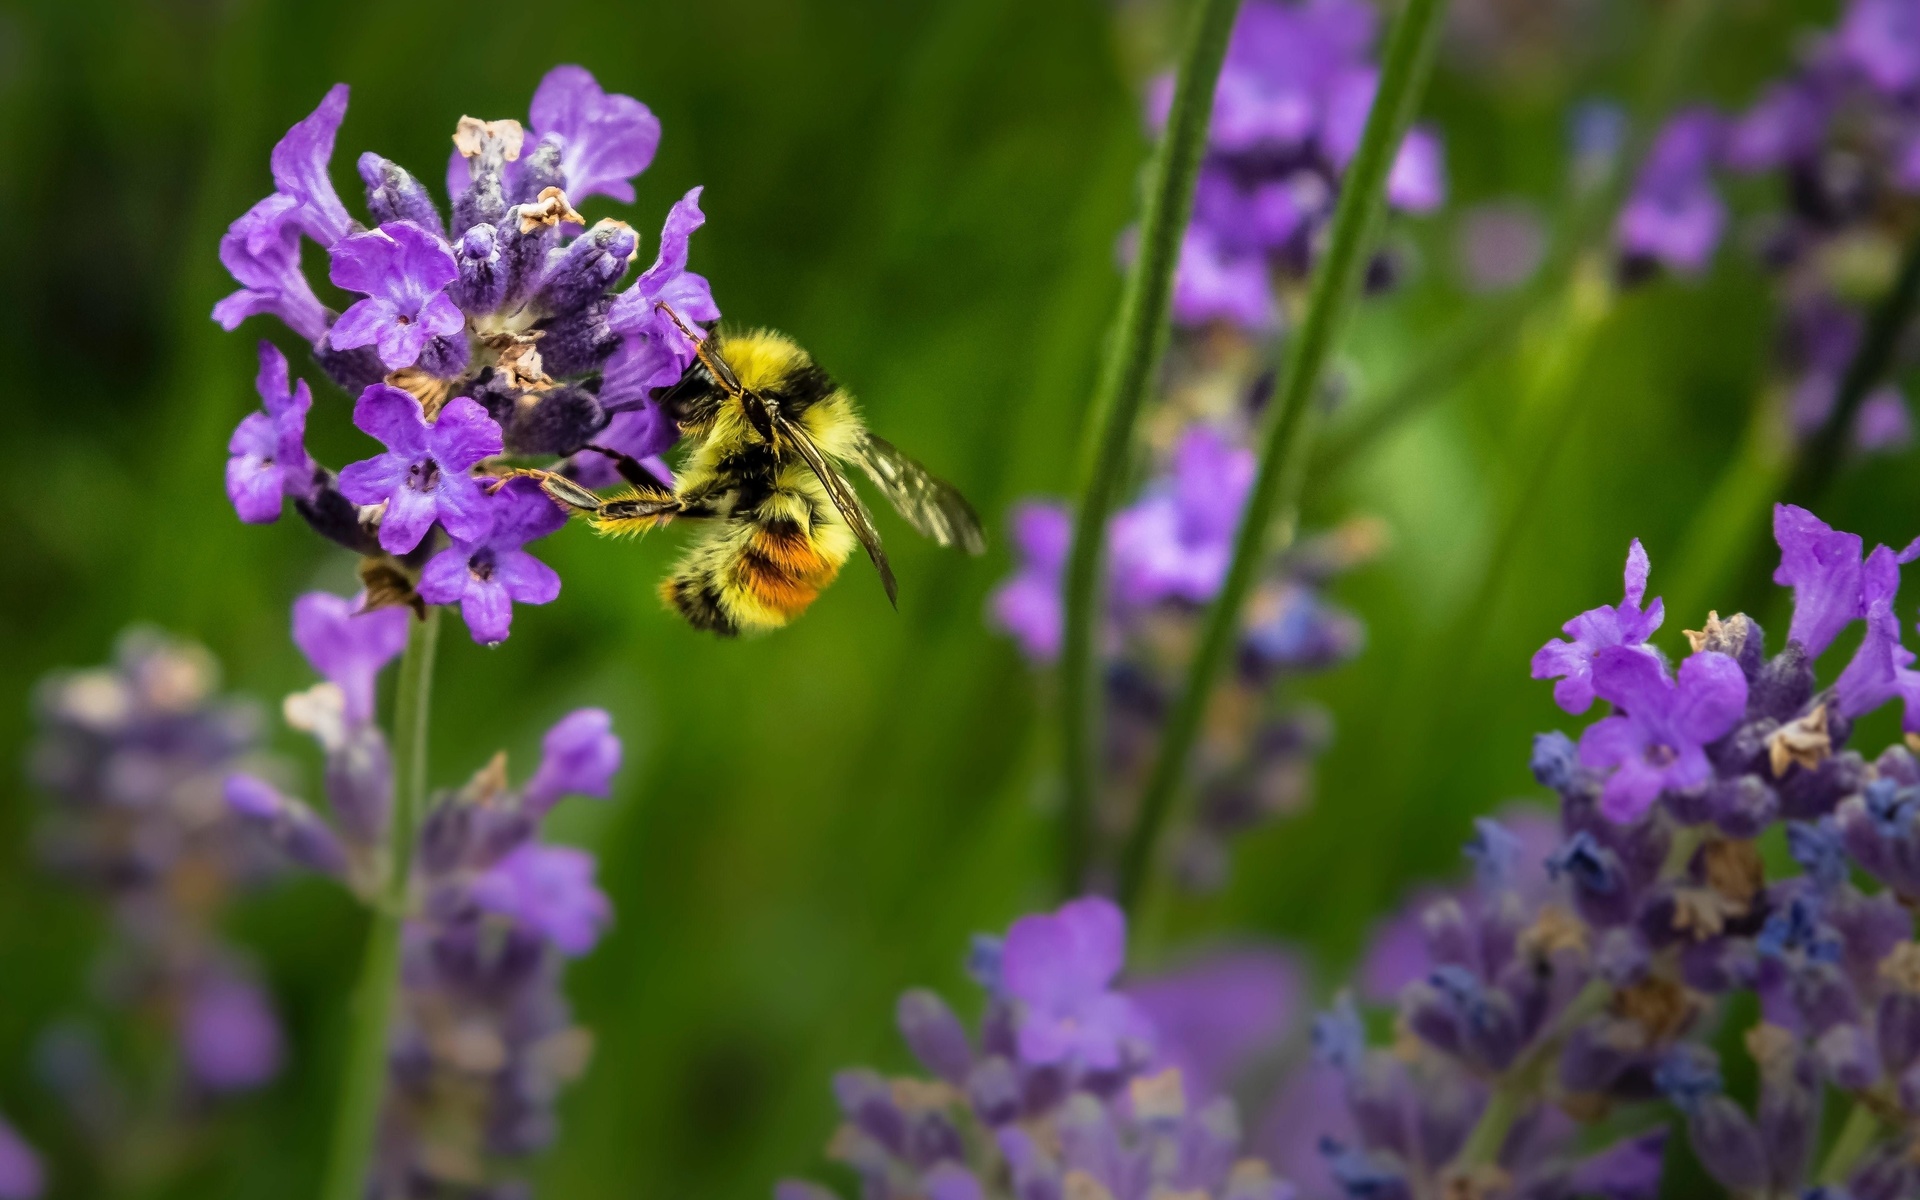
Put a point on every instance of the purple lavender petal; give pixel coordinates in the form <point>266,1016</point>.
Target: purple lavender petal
<point>1881,39</point>
<point>1822,565</point>
<point>1418,180</point>
<point>262,252</point>
<point>1220,1013</point>
<point>253,477</point>
<point>550,890</point>
<point>1213,284</point>
<point>21,1175</point>
<point>578,757</point>
<point>229,1035</point>
<point>403,270</point>
<point>299,162</point>
<point>1883,423</point>
<point>607,139</point>
<point>347,646</point>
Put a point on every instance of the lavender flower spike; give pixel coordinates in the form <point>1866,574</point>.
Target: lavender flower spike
<point>21,1176</point>
<point>485,577</point>
<point>348,646</point>
<point>605,140</point>
<point>403,270</point>
<point>229,1035</point>
<point>1674,216</point>
<point>1027,606</point>
<point>269,449</point>
<point>299,164</point>
<point>1626,624</point>
<point>423,475</point>
<point>579,756</point>
<point>1657,742</point>
<point>551,890</point>
<point>1061,968</point>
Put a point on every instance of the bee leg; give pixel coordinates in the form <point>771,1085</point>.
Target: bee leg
<point>633,470</point>
<point>563,490</point>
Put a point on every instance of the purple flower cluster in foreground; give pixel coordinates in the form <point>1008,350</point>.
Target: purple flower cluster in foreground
<point>499,331</point>
<point>132,756</point>
<point>1841,135</point>
<point>1291,104</point>
<point>21,1175</point>
<point>1064,1091</point>
<point>484,1040</point>
<point>1167,557</point>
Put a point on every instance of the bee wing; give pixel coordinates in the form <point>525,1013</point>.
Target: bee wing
<point>930,504</point>
<point>841,493</point>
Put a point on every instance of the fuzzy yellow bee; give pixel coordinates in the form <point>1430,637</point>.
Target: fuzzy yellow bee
<point>768,431</point>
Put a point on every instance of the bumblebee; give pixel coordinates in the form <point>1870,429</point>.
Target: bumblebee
<point>769,431</point>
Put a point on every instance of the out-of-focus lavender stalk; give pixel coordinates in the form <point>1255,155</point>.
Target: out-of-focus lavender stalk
<point>1276,483</point>
<point>363,1083</point>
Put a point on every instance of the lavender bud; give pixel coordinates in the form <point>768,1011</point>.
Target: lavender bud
<point>393,194</point>
<point>1727,1144</point>
<point>1897,763</point>
<point>935,1035</point>
<point>1741,807</point>
<point>1782,687</point>
<point>1449,934</point>
<point>1808,795</point>
<point>994,1090</point>
<point>445,357</point>
<point>559,420</point>
<point>580,341</point>
<point>590,265</point>
<point>359,785</point>
<point>1596,1054</point>
<point>354,370</point>
<point>1789,1114</point>
<point>523,252</point>
<point>289,824</point>
<point>1849,1057</point>
<point>1599,884</point>
<point>482,285</point>
<point>1490,1029</point>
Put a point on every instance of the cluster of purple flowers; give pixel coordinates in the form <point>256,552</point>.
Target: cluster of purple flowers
<point>497,333</point>
<point>1067,1090</point>
<point>1841,135</point>
<point>1291,103</point>
<point>483,1040</point>
<point>132,756</point>
<point>1167,557</point>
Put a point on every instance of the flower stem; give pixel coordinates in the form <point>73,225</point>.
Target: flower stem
<point>1855,1136</point>
<point>1276,487</point>
<point>1139,334</point>
<point>363,1085</point>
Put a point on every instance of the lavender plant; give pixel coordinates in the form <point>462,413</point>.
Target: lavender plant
<point>473,340</point>
<point>482,1041</point>
<point>21,1176</point>
<point>1296,85</point>
<point>131,757</point>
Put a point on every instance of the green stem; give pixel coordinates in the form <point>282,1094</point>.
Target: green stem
<point>363,1086</point>
<point>1855,1136</point>
<point>1276,487</point>
<point>1139,335</point>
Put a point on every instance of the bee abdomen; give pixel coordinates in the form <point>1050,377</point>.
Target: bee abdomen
<point>696,596</point>
<point>780,571</point>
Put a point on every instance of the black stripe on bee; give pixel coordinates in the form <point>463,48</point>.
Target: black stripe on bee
<point>697,599</point>
<point>802,388</point>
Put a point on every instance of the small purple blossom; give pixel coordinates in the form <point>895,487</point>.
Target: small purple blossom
<point>403,272</point>
<point>261,249</point>
<point>1881,39</point>
<point>229,1035</point>
<point>605,139</point>
<point>1657,741</point>
<point>1832,585</point>
<point>1783,127</point>
<point>1883,423</point>
<point>549,889</point>
<point>578,757</point>
<point>1625,624</point>
<point>653,353</point>
<point>486,576</point>
<point>1674,216</point>
<point>348,646</point>
<point>269,449</point>
<point>1215,283</point>
<point>21,1175</point>
<point>423,475</point>
<point>1060,968</point>
<point>1027,606</point>
<point>1177,542</point>
<point>299,164</point>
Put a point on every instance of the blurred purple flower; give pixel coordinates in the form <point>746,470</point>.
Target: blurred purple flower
<point>486,576</point>
<point>1177,541</point>
<point>605,139</point>
<point>423,475</point>
<point>1883,422</point>
<point>1626,624</point>
<point>1417,182</point>
<point>1881,39</point>
<point>21,1175</point>
<point>269,455</point>
<point>1027,606</point>
<point>1500,245</point>
<point>1656,740</point>
<point>1060,968</point>
<point>550,890</point>
<point>349,646</point>
<point>1218,1014</point>
<point>1784,127</point>
<point>578,757</point>
<point>1673,215</point>
<point>1212,283</point>
<point>403,272</point>
<point>229,1034</point>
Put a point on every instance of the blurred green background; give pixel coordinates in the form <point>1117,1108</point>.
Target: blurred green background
<point>927,193</point>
